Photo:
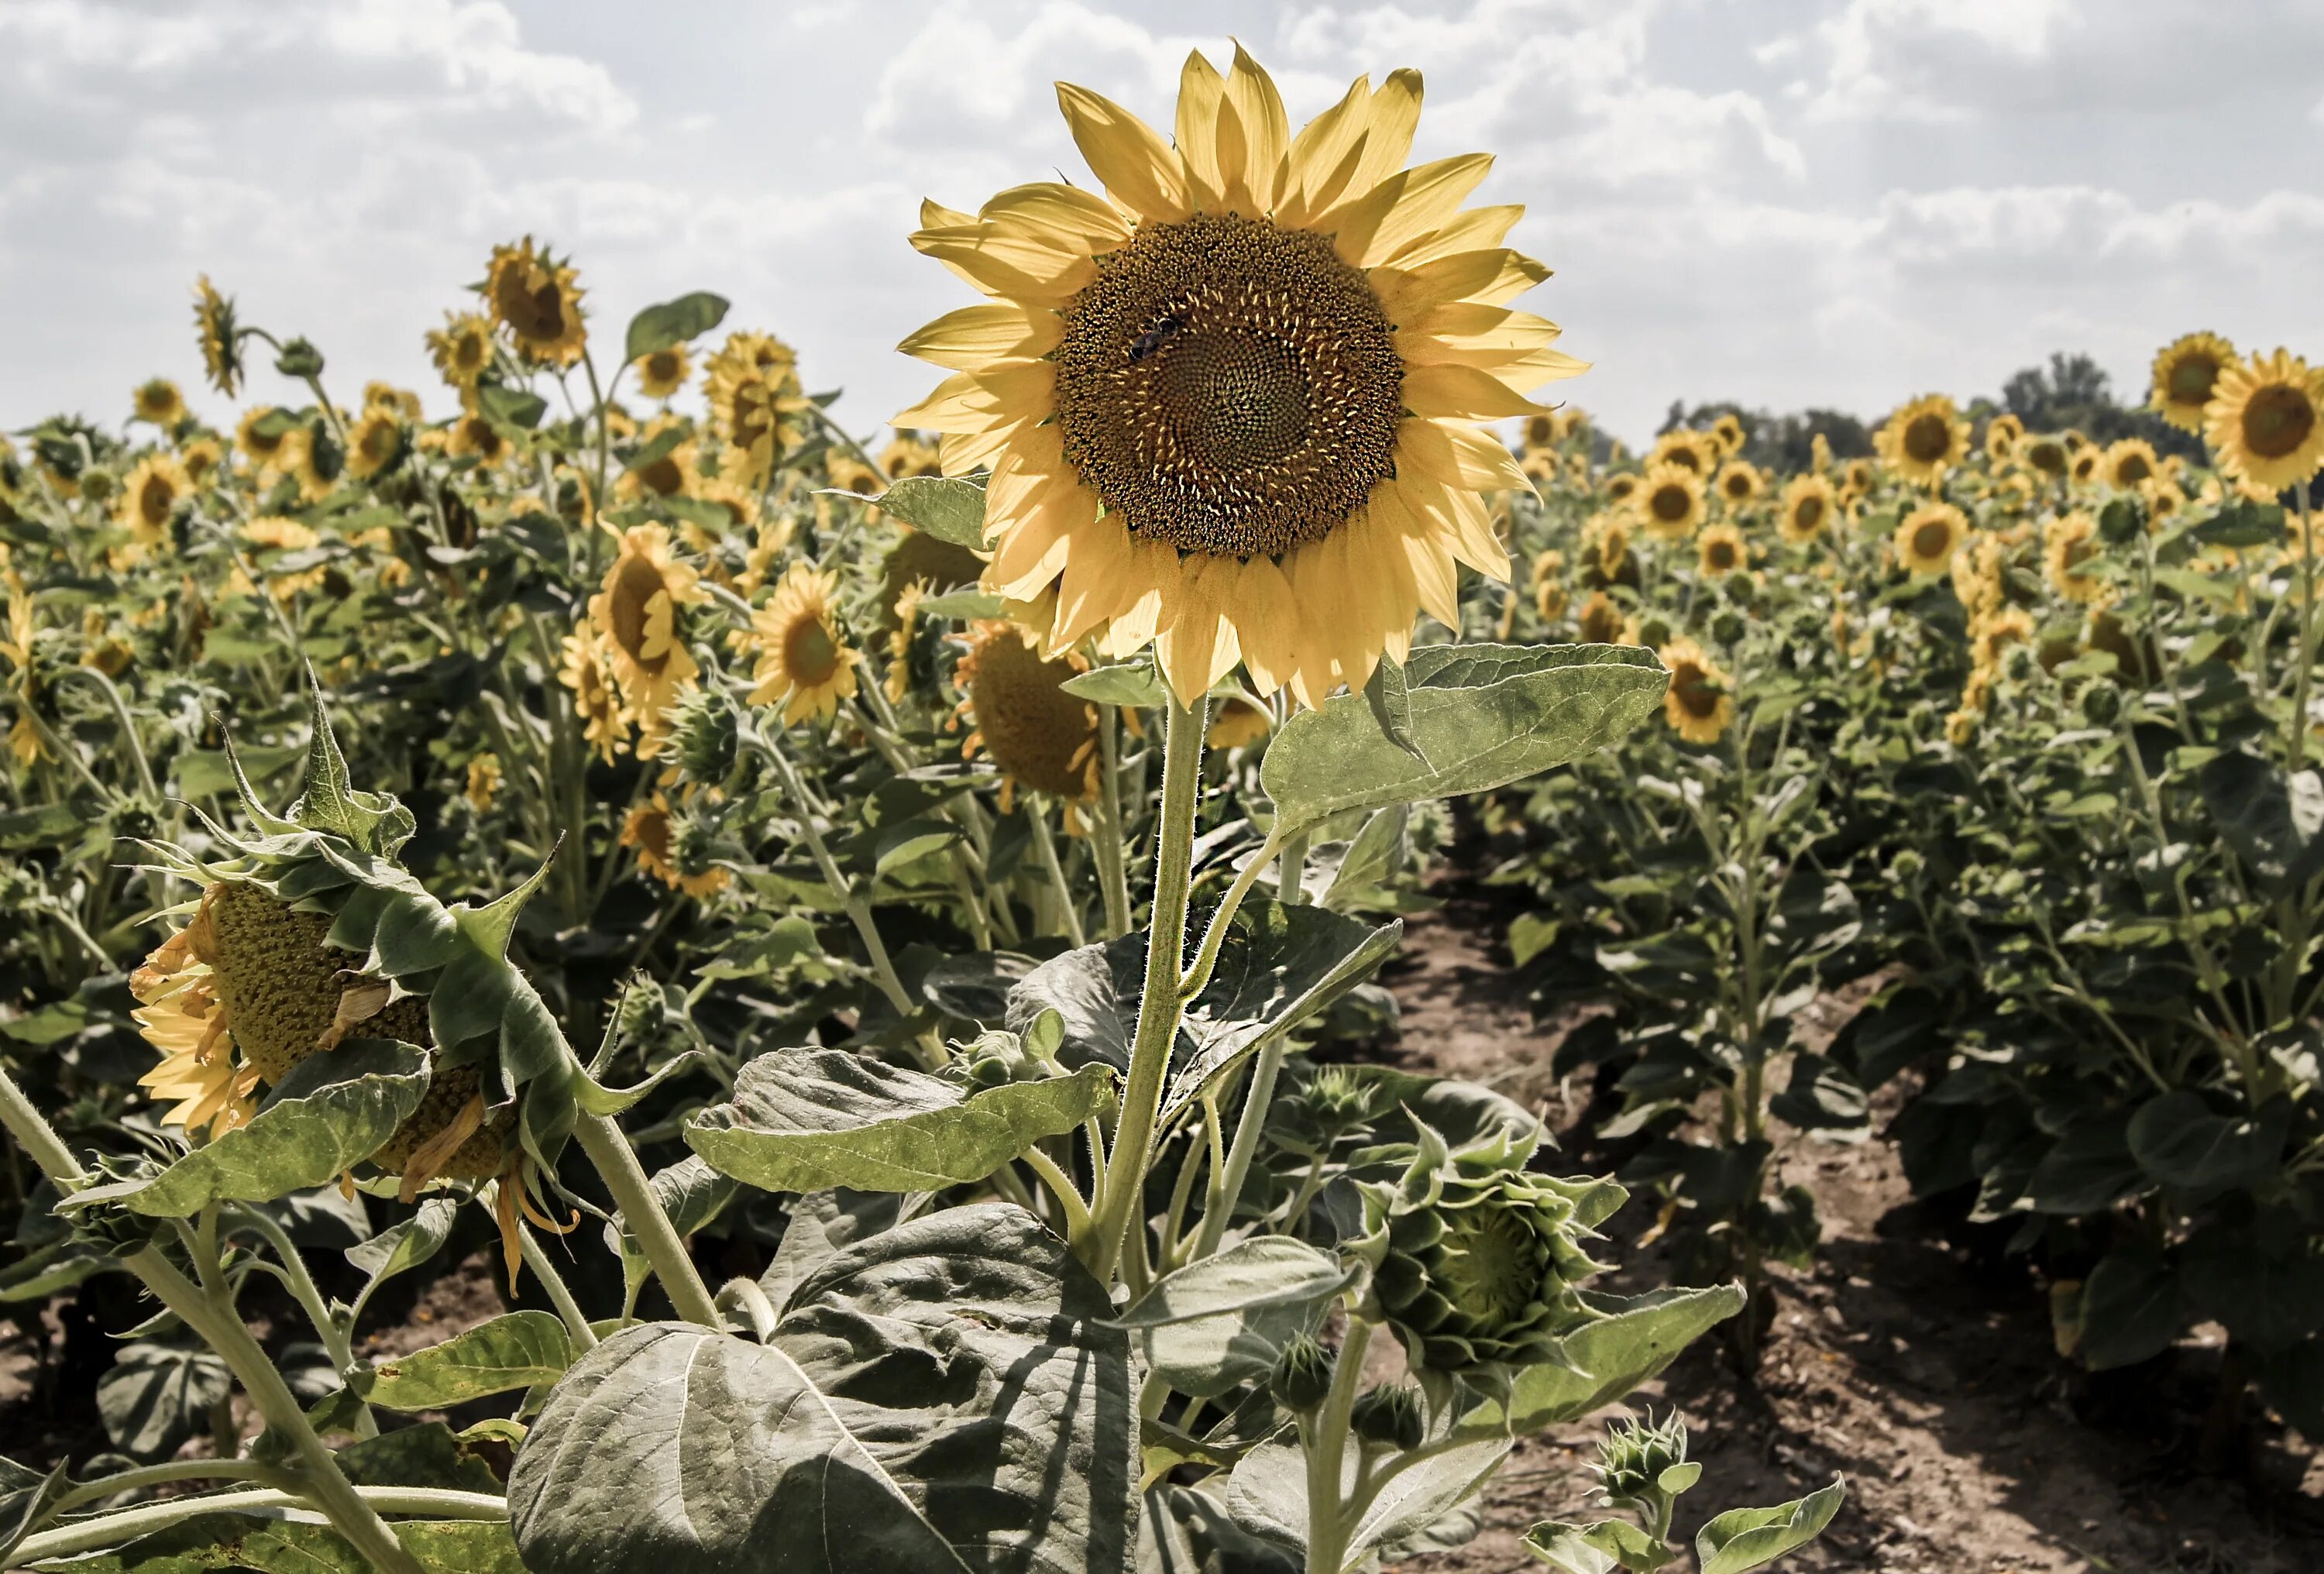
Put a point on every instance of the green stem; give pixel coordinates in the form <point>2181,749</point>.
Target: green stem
<point>1061,1186</point>
<point>1159,1004</point>
<point>1218,1209</point>
<point>2298,744</point>
<point>336,1337</point>
<point>112,693</point>
<point>1214,933</point>
<point>1110,845</point>
<point>560,1294</point>
<point>641,1212</point>
<point>112,1529</point>
<point>163,1475</point>
<point>1291,883</point>
<point>858,912</point>
<point>1324,1436</point>
<point>1037,812</point>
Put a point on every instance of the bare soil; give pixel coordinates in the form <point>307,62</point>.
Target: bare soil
<point>1915,1361</point>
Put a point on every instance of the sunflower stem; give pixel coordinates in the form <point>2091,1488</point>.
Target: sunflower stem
<point>1159,1004</point>
<point>859,913</point>
<point>560,1294</point>
<point>1218,1209</point>
<point>641,1213</point>
<point>1047,845</point>
<point>2297,745</point>
<point>110,1529</point>
<point>1324,1436</point>
<point>1113,861</point>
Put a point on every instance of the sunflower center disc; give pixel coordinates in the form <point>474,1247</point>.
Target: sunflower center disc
<point>2277,420</point>
<point>1929,542</point>
<point>1928,439</point>
<point>1229,388</point>
<point>2191,380</point>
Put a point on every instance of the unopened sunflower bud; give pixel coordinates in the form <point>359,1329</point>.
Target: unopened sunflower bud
<point>1635,1456</point>
<point>1728,626</point>
<point>98,485</point>
<point>706,735</point>
<point>299,359</point>
<point>1390,1417</point>
<point>994,1060</point>
<point>2101,704</point>
<point>1907,864</point>
<point>1303,1374</point>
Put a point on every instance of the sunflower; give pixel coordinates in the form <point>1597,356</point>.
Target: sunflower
<point>1996,632</point>
<point>273,533</point>
<point>2186,372</point>
<point>1233,407</point>
<point>1857,479</point>
<point>462,350</point>
<point>1729,429</point>
<point>1541,431</point>
<point>1818,453</point>
<point>2129,463</point>
<point>1606,549</point>
<point>901,639</point>
<point>765,555</point>
<point>2003,434</point>
<point>1923,439</point>
<point>1622,488</point>
<point>596,698</point>
<point>911,456</point>
<point>220,341</point>
<point>1976,569</point>
<point>1695,451</point>
<point>474,434</point>
<point>1929,536</point>
<point>202,457</point>
<point>636,614</point>
<point>1722,550</point>
<point>1548,577</point>
<point>1041,737</point>
<point>755,405</point>
<point>1601,620</point>
<point>2164,498</point>
<point>2048,455</point>
<point>1809,503</point>
<point>662,372</point>
<point>740,507</point>
<point>1739,483</point>
<point>846,472</point>
<point>1238,722</point>
<point>387,396</point>
<point>1697,704</point>
<point>2082,467</point>
<point>260,437</point>
<point>1669,503</point>
<point>152,492</point>
<point>804,658</point>
<point>672,474</point>
<point>650,830</point>
<point>157,402</point>
<point>534,296</point>
<point>2069,546</point>
<point>178,1014</point>
<point>2265,420</point>
<point>376,442</point>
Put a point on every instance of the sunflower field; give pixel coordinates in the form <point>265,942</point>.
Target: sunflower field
<point>877,949</point>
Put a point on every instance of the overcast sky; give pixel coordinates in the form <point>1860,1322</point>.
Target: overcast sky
<point>1784,202</point>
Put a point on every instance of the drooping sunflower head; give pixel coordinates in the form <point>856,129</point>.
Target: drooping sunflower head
<point>475,434</point>
<point>2266,419</point>
<point>1722,550</point>
<point>1689,450</point>
<point>1923,439</point>
<point>2186,370</point>
<point>1698,705</point>
<point>376,442</point>
<point>804,661</point>
<point>1232,405</point>
<point>219,340</point>
<point>636,612</point>
<point>1670,501</point>
<point>662,372</point>
<point>2069,547</point>
<point>380,394</point>
<point>462,350</point>
<point>665,464</point>
<point>1041,737</point>
<point>1927,537</point>
<point>157,402</point>
<point>1810,505</point>
<point>2129,463</point>
<point>1739,482</point>
<point>262,433</point>
<point>150,496</point>
<point>537,301</point>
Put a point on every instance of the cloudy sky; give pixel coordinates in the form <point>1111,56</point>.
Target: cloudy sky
<point>1786,202</point>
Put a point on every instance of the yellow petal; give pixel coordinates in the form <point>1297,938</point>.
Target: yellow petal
<point>1425,198</point>
<point>1464,393</point>
<point>1199,647</point>
<point>1035,547</point>
<point>1090,589</point>
<point>1266,130</point>
<point>934,214</point>
<point>1321,150</point>
<point>1138,168</point>
<point>976,335</point>
<point>1200,93</point>
<point>1150,597</point>
<point>1387,139</point>
<point>1002,263</point>
<point>967,453</point>
<point>1477,230</point>
<point>1058,215</point>
<point>1267,620</point>
<point>1485,278</point>
<point>960,403</point>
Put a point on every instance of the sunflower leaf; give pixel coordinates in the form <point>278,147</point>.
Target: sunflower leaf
<point>945,507</point>
<point>1392,707</point>
<point>673,322</point>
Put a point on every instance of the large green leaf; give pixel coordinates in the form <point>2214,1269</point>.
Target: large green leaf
<point>1605,1359</point>
<point>673,322</point>
<point>1481,717</point>
<point>2180,1141</point>
<point>2130,1309</point>
<point>1744,1539</point>
<point>946,508</point>
<point>2273,821</point>
<point>1268,1492</point>
<point>283,1546</point>
<point>945,1396</point>
<point>517,1349</point>
<point>1215,1324</point>
<point>402,1245</point>
<point>808,1119</point>
<point>333,1111</point>
<point>156,1395</point>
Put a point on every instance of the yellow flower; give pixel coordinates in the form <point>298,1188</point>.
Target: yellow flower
<point>1541,431</point>
<point>1669,503</point>
<point>1856,480</point>
<point>842,470</point>
<point>1738,482</point>
<point>1039,736</point>
<point>151,495</point>
<point>2048,455</point>
<point>483,780</point>
<point>275,534</point>
<point>774,540</point>
<point>648,829</point>
<point>1697,704</point>
<point>180,1015</point>
<point>157,402</point>
<point>1929,536</point>
<point>1923,439</point>
<point>376,442</point>
<point>2068,546</point>
<point>2186,370</point>
<point>221,343</point>
<point>473,434</point>
<point>202,457</point>
<point>1722,550</point>
<point>1695,451</point>
<point>804,659</point>
<point>1601,620</point>
<point>756,407</point>
<point>596,700</point>
<point>263,431</point>
<point>898,682</point>
<point>2266,419</point>
<point>1606,542</point>
<point>662,372</point>
<point>1729,429</point>
<point>1232,406</point>
<point>462,350</point>
<point>911,456</point>
<point>2083,466</point>
<point>1809,503</point>
<point>2003,434</point>
<point>1239,721</point>
<point>672,474</point>
<point>1818,453</point>
<point>1977,574</point>
<point>636,613</point>
<point>387,396</point>
<point>1995,632</point>
<point>2129,463</point>
<point>534,296</point>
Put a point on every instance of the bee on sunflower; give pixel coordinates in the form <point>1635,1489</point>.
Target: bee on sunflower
<point>1299,524</point>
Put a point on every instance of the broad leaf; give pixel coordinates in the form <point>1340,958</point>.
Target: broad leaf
<point>2180,1141</point>
<point>333,1111</point>
<point>1744,1539</point>
<point>2130,1309</point>
<point>156,1395</point>
<point>1475,730</point>
<point>945,1395</point>
<point>1215,1324</point>
<point>808,1119</point>
<point>517,1349</point>
<point>1134,683</point>
<point>2274,822</point>
<point>946,508</point>
<point>1608,1359</point>
<point>1267,1491</point>
<point>690,1193</point>
<point>673,322</point>
<point>2088,1170</point>
<point>403,1245</point>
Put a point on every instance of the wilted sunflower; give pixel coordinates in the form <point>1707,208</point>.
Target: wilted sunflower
<point>2266,419</point>
<point>2068,546</point>
<point>462,349</point>
<point>662,372</point>
<point>1231,406</point>
<point>651,831</point>
<point>535,297</point>
<point>1929,536</point>
<point>597,699</point>
<point>2186,372</point>
<point>1238,722</point>
<point>1695,451</point>
<point>1039,736</point>
<point>151,495</point>
<point>1697,704</point>
<point>1669,503</point>
<point>1601,620</point>
<point>804,659</point>
<point>1738,482</point>
<point>1923,439</point>
<point>2129,463</point>
<point>636,613</point>
<point>1810,505</point>
<point>376,442</point>
<point>159,402</point>
<point>221,343</point>
<point>1722,550</point>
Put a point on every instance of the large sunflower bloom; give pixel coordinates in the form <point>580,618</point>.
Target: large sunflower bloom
<point>2266,419</point>
<point>1232,405</point>
<point>151,495</point>
<point>636,612</point>
<point>596,698</point>
<point>804,658</point>
<point>1923,439</point>
<point>535,297</point>
<point>1810,505</point>
<point>1040,736</point>
<point>1669,503</point>
<point>2186,369</point>
<point>1722,550</point>
<point>2129,463</point>
<point>1929,536</point>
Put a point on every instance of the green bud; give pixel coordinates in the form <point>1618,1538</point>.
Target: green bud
<point>993,1060</point>
<point>1634,1456</point>
<point>1390,1417</point>
<point>98,486</point>
<point>705,734</point>
<point>1907,864</point>
<point>2101,704</point>
<point>1728,626</point>
<point>299,359</point>
<point>642,1014</point>
<point>1303,1374</point>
